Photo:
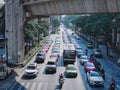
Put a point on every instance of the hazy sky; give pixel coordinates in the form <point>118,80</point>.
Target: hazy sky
<point>1,1</point>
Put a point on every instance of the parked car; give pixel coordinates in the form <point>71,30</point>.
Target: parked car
<point>40,57</point>
<point>88,66</point>
<point>71,70</point>
<point>90,45</point>
<point>94,78</point>
<point>83,59</point>
<point>51,66</point>
<point>97,53</point>
<point>31,70</point>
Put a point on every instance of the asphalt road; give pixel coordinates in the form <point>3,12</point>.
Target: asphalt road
<point>111,69</point>
<point>49,81</point>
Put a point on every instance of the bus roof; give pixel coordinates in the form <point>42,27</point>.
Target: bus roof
<point>69,47</point>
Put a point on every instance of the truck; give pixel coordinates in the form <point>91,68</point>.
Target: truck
<point>4,69</point>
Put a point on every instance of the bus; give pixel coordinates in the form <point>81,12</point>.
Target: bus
<point>69,54</point>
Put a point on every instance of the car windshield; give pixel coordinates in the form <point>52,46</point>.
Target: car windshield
<point>84,57</point>
<point>98,50</point>
<point>90,65</point>
<point>31,67</point>
<point>71,68</point>
<point>51,63</point>
<point>2,69</point>
<point>40,54</point>
<point>94,74</point>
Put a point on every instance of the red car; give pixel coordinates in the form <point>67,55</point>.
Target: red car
<point>45,48</point>
<point>54,56</point>
<point>89,66</point>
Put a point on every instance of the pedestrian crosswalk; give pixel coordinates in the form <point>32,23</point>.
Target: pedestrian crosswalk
<point>34,86</point>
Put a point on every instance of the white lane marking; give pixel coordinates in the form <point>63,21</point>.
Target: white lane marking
<point>39,86</point>
<point>118,87</point>
<point>33,86</point>
<point>27,86</point>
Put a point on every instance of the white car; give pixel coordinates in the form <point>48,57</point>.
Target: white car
<point>31,70</point>
<point>84,59</point>
<point>51,66</point>
<point>94,78</point>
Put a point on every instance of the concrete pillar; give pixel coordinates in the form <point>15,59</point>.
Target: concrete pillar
<point>14,31</point>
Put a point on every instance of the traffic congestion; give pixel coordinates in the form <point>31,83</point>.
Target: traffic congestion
<point>66,61</point>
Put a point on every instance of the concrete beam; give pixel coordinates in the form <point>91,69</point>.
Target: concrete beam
<point>59,7</point>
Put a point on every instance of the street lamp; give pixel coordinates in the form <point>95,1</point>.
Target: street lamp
<point>6,46</point>
<point>6,49</point>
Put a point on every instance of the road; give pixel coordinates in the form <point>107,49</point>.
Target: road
<point>48,81</point>
<point>111,70</point>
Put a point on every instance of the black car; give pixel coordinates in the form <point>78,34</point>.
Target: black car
<point>90,45</point>
<point>40,58</point>
<point>97,53</point>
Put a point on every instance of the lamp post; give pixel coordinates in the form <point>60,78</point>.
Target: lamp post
<point>6,46</point>
<point>113,32</point>
<point>6,50</point>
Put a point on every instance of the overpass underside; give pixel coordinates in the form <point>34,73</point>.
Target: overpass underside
<point>17,12</point>
<point>65,7</point>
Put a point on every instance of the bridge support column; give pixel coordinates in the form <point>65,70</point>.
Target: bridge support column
<point>14,31</point>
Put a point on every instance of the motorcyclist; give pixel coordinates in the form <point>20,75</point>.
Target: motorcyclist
<point>92,58</point>
<point>102,71</point>
<point>86,51</point>
<point>61,76</point>
<point>112,84</point>
<point>61,80</point>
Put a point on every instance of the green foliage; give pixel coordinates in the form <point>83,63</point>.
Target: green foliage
<point>69,19</point>
<point>33,30</point>
<point>55,23</point>
<point>2,20</point>
<point>96,24</point>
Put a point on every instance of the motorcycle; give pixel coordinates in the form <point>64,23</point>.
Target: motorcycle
<point>102,72</point>
<point>61,82</point>
<point>112,87</point>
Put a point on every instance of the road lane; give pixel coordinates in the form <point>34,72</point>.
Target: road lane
<point>50,81</point>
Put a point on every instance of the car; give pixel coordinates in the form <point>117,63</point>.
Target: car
<point>77,37</point>
<point>79,52</point>
<point>97,53</point>
<point>94,78</point>
<point>55,56</point>
<point>83,59</point>
<point>49,42</point>
<point>51,66</point>
<point>40,57</point>
<point>90,45</point>
<point>71,71</point>
<point>45,48</point>
<point>78,47</point>
<point>31,70</point>
<point>88,66</point>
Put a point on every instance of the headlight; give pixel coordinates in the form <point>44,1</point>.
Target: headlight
<point>92,82</point>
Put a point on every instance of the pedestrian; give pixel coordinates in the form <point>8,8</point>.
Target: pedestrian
<point>86,51</point>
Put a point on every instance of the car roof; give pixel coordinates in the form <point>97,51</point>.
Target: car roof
<point>32,64</point>
<point>71,65</point>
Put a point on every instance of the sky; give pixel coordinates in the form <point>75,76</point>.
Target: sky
<point>1,1</point>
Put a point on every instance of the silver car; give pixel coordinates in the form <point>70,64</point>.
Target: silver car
<point>84,59</point>
<point>95,79</point>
